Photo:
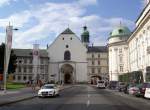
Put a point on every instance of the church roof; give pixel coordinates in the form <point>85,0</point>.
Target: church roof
<point>28,52</point>
<point>67,31</point>
<point>97,49</point>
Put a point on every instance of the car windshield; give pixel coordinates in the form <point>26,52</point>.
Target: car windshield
<point>47,87</point>
<point>122,83</point>
<point>131,85</point>
<point>145,85</point>
<point>114,83</point>
<point>100,81</point>
<point>148,85</point>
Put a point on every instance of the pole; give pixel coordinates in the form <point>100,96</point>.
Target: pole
<point>8,44</point>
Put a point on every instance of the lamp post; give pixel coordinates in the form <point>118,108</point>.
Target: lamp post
<point>111,75</point>
<point>8,44</point>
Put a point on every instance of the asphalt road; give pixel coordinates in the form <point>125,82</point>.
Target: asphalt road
<point>83,97</point>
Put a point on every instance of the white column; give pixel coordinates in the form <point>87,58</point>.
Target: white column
<point>35,60</point>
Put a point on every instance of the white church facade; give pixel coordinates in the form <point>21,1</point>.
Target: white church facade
<point>68,55</point>
<point>68,59</point>
<point>129,52</point>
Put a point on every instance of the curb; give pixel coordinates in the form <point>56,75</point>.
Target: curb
<point>26,98</point>
<point>11,102</point>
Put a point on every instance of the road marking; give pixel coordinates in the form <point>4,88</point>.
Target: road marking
<point>88,103</point>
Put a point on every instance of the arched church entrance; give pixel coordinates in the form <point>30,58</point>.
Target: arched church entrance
<point>94,79</point>
<point>67,71</point>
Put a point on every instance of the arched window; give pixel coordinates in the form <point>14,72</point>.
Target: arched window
<point>67,55</point>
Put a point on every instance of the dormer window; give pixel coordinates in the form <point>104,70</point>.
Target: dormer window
<point>120,31</point>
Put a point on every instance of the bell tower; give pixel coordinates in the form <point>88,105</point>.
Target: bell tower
<point>85,36</point>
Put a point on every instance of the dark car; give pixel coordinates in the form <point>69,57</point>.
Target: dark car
<point>113,85</point>
<point>143,88</point>
<point>121,86</point>
<point>132,88</point>
<point>126,87</point>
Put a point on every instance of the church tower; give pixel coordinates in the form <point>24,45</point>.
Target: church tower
<point>85,36</point>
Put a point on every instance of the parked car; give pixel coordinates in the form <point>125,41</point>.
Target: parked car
<point>121,86</point>
<point>143,88</point>
<point>100,84</point>
<point>48,90</point>
<point>125,89</point>
<point>113,85</point>
<point>135,90</point>
<point>147,91</point>
<point>132,89</point>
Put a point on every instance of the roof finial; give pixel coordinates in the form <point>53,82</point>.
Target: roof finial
<point>120,23</point>
<point>85,28</point>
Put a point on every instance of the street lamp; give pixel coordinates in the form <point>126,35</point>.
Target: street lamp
<point>8,44</point>
<point>111,75</point>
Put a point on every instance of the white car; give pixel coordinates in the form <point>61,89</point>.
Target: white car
<point>147,91</point>
<point>100,84</point>
<point>48,90</point>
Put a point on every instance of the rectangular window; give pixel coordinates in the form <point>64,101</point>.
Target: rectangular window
<point>42,69</point>
<point>93,62</point>
<point>19,77</point>
<point>42,61</point>
<point>121,68</point>
<point>120,50</point>
<point>31,61</point>
<point>19,69</point>
<point>25,60</point>
<point>92,55</point>
<point>93,70</point>
<point>98,62</point>
<point>46,69</point>
<point>121,59</point>
<point>25,70</point>
<point>99,70</point>
<point>30,69</point>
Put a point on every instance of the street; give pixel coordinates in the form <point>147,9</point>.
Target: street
<point>83,97</point>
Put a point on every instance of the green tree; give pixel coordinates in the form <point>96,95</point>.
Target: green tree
<point>12,61</point>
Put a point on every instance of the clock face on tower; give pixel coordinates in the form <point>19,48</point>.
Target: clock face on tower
<point>35,53</point>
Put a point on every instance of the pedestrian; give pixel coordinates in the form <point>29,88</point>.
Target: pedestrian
<point>40,83</point>
<point>33,84</point>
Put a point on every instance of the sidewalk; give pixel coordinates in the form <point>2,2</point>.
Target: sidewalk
<point>23,94</point>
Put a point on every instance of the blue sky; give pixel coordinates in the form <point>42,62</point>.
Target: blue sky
<point>40,21</point>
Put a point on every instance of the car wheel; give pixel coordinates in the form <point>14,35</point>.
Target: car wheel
<point>54,94</point>
<point>39,96</point>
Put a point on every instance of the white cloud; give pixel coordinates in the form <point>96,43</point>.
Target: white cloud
<point>19,19</point>
<point>87,2</point>
<point>5,2</point>
<point>54,18</point>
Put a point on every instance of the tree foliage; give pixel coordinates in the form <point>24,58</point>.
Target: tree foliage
<point>12,61</point>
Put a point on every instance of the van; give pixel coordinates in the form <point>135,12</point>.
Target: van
<point>101,84</point>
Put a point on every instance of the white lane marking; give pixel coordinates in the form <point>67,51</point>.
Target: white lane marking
<point>88,95</point>
<point>88,103</point>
